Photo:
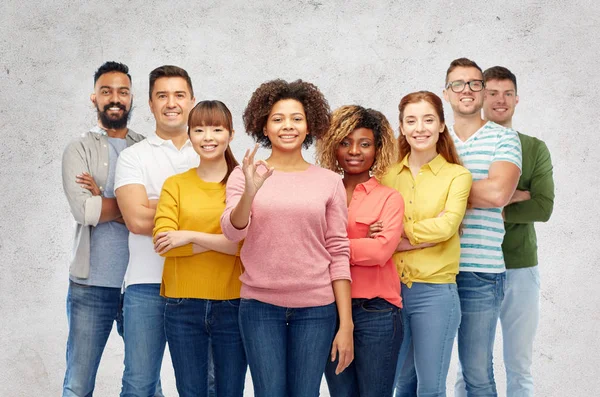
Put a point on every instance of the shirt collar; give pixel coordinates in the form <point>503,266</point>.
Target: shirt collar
<point>369,185</point>
<point>98,130</point>
<point>434,165</point>
<point>158,141</point>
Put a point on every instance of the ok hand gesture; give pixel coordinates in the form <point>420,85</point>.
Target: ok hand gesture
<point>254,180</point>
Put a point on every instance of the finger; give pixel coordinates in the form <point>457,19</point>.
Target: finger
<point>341,362</point>
<point>333,352</point>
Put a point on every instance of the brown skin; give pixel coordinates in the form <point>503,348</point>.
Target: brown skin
<point>356,155</point>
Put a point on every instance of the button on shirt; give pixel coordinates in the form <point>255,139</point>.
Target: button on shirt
<point>372,268</point>
<point>150,163</point>
<point>439,186</point>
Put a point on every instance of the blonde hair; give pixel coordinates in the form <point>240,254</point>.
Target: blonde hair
<point>344,121</point>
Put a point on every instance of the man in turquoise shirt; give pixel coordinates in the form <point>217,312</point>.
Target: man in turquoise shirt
<point>533,201</point>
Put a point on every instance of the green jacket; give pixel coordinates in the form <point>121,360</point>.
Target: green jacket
<point>520,241</point>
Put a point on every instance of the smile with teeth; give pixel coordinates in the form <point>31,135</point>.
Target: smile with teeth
<point>421,138</point>
<point>353,161</point>
<point>467,99</point>
<point>171,114</point>
<point>114,109</point>
<point>287,136</point>
<point>209,148</point>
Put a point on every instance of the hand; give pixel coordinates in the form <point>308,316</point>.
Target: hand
<point>520,195</point>
<point>165,241</point>
<point>87,182</point>
<point>254,180</point>
<point>119,219</point>
<point>343,346</point>
<point>375,228</point>
<point>441,213</point>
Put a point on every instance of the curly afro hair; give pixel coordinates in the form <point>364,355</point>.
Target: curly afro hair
<point>348,118</point>
<point>262,101</point>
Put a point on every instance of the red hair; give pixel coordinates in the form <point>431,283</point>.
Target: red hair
<point>445,144</point>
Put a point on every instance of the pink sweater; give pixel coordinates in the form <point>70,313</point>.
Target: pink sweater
<point>296,242</point>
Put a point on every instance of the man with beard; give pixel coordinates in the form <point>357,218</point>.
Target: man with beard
<point>100,250</point>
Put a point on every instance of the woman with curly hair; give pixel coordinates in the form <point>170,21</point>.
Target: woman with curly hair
<point>360,144</point>
<point>435,188</point>
<point>293,217</point>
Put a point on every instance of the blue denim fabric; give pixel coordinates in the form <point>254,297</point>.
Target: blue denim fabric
<point>287,348</point>
<point>194,327</point>
<point>519,317</point>
<point>144,335</point>
<point>91,312</point>
<point>431,317</point>
<point>481,296</point>
<point>377,339</point>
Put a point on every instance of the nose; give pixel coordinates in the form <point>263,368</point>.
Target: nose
<point>420,126</point>
<point>114,97</point>
<point>354,148</point>
<point>208,135</point>
<point>171,101</point>
<point>287,123</point>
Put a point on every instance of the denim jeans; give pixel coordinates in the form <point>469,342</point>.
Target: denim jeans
<point>519,319</point>
<point>144,335</point>
<point>193,328</point>
<point>91,312</point>
<point>287,348</point>
<point>481,296</point>
<point>377,338</point>
<point>431,317</point>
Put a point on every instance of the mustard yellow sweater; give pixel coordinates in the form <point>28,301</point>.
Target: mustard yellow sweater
<point>189,203</point>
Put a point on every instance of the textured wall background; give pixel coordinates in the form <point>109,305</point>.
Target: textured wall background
<point>370,53</point>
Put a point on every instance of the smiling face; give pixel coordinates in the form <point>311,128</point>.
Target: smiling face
<point>500,101</point>
<point>286,126</point>
<point>356,152</point>
<point>465,102</point>
<point>170,104</point>
<point>210,142</point>
<point>421,126</point>
<point>112,98</point>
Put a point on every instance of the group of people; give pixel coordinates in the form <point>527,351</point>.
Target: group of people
<point>291,270</point>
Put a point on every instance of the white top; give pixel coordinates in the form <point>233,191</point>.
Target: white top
<point>150,163</point>
<point>483,228</point>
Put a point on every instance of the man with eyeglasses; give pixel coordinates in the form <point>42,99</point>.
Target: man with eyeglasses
<point>493,155</point>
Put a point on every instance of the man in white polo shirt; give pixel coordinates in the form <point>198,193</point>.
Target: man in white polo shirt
<point>493,155</point>
<point>141,172</point>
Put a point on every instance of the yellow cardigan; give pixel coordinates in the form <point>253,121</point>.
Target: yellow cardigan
<point>189,203</point>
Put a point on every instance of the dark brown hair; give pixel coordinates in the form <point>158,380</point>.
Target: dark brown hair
<point>259,107</point>
<point>445,144</point>
<point>169,71</point>
<point>216,114</point>
<point>499,73</point>
<point>461,63</point>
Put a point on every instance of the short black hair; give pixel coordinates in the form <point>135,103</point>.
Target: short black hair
<point>169,71</point>
<point>111,66</point>
<point>499,73</point>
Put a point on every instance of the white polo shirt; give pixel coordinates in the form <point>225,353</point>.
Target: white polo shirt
<point>149,163</point>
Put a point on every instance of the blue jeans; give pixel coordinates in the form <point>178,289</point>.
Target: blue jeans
<point>519,318</point>
<point>287,348</point>
<point>481,296</point>
<point>193,328</point>
<point>377,338</point>
<point>144,335</point>
<point>431,317</point>
<point>91,312</point>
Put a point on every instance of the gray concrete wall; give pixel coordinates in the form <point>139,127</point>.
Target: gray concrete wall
<point>369,53</point>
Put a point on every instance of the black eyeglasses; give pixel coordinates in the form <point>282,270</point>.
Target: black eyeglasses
<point>459,85</point>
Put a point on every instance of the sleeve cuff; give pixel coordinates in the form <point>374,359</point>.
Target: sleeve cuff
<point>93,209</point>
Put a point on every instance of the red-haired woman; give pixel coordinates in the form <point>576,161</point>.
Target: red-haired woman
<point>435,187</point>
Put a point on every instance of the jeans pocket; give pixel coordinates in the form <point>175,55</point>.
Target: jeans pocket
<point>174,301</point>
<point>377,305</point>
<point>535,274</point>
<point>234,302</point>
<point>490,278</point>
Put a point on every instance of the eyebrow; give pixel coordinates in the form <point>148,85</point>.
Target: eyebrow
<point>118,88</point>
<point>166,92</point>
<point>282,114</point>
